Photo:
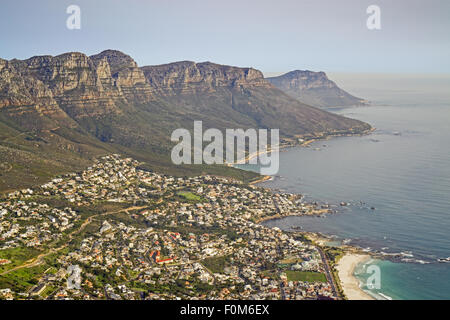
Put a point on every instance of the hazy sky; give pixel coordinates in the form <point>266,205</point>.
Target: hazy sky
<point>273,36</point>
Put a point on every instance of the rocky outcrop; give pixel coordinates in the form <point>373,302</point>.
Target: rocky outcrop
<point>187,77</point>
<point>315,89</point>
<point>24,97</point>
<point>118,71</point>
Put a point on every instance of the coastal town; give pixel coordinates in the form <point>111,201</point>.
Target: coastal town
<point>136,234</point>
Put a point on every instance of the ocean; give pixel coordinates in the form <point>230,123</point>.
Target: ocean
<point>396,182</point>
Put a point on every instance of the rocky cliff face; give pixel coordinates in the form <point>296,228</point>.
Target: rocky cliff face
<point>24,96</point>
<point>187,77</point>
<point>118,71</point>
<point>315,89</point>
<point>79,85</point>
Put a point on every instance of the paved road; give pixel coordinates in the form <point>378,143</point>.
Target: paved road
<point>328,273</point>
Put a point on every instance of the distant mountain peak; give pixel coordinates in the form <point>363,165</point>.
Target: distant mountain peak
<point>314,88</point>
<point>302,72</point>
<point>112,54</point>
<point>117,60</point>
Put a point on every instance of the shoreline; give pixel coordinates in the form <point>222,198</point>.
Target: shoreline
<point>304,143</point>
<point>314,212</point>
<point>283,147</point>
<point>344,267</point>
<point>349,282</point>
<point>259,180</point>
<point>347,264</point>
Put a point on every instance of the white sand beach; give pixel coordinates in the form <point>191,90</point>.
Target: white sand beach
<point>350,284</point>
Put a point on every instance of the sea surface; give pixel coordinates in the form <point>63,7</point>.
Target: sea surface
<point>396,182</point>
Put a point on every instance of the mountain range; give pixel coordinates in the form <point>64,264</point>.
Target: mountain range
<point>57,113</point>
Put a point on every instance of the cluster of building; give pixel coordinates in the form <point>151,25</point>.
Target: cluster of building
<point>180,238</point>
<point>31,224</point>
